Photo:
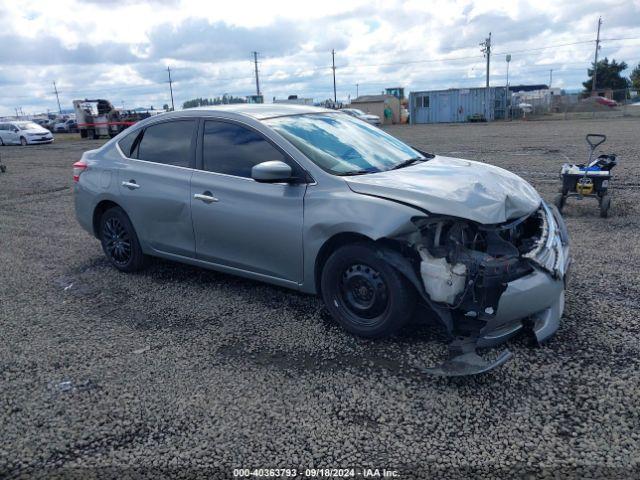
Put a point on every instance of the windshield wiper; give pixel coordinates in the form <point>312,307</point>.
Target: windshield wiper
<point>356,172</point>
<point>408,162</point>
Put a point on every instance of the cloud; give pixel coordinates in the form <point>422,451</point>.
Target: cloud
<point>49,50</point>
<point>201,41</point>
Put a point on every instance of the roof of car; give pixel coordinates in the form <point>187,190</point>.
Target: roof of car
<point>261,111</point>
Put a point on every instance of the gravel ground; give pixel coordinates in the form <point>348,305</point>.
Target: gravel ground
<point>182,372</point>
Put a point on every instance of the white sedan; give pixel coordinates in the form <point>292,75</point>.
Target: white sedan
<point>23,133</point>
<point>367,117</point>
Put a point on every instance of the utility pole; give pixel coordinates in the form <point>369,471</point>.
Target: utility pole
<point>486,50</point>
<point>595,61</point>
<point>170,88</point>
<point>333,67</point>
<point>17,115</point>
<point>357,94</point>
<point>255,63</point>
<point>508,93</point>
<point>55,90</point>
<point>550,77</point>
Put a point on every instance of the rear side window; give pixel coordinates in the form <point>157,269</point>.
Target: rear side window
<point>128,142</point>
<point>168,143</point>
<point>233,150</point>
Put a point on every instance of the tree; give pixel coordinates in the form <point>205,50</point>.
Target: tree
<point>203,102</point>
<point>165,107</point>
<point>608,76</point>
<point>635,78</point>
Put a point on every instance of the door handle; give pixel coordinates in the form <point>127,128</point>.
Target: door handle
<point>206,197</point>
<point>131,185</point>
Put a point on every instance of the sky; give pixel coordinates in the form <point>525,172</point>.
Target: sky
<point>120,49</point>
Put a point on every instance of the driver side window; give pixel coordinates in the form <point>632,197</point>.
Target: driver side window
<point>233,149</point>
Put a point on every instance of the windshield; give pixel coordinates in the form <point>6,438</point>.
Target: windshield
<point>28,126</point>
<point>343,145</point>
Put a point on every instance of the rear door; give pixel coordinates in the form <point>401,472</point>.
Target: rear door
<point>154,185</point>
<point>246,225</point>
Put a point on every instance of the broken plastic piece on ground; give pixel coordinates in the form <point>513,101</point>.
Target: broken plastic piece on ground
<point>65,386</point>
<point>464,360</point>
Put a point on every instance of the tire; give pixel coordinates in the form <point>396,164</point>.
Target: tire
<point>23,142</point>
<point>605,205</point>
<point>95,135</point>
<point>83,133</point>
<point>559,201</point>
<point>120,241</point>
<point>1,142</point>
<point>366,295</point>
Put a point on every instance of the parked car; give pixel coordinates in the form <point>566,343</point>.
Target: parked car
<point>68,126</point>
<point>23,133</point>
<point>367,117</point>
<point>317,201</point>
<point>606,102</point>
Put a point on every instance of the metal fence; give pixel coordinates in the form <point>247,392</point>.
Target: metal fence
<point>549,106</point>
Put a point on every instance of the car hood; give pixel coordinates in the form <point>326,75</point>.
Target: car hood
<point>452,186</point>
<point>370,116</point>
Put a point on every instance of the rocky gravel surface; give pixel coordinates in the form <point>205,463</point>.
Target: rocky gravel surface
<point>186,373</point>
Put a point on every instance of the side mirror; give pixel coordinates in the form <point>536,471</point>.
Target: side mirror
<point>273,171</point>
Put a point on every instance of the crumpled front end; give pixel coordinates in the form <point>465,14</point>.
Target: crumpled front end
<point>486,282</point>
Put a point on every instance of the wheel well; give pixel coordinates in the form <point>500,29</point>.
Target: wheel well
<point>331,246</point>
<point>102,207</point>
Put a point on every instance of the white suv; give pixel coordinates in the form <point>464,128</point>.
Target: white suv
<point>23,133</point>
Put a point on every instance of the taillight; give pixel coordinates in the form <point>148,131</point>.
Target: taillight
<point>78,168</point>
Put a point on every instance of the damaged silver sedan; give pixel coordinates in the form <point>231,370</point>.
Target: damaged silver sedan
<point>321,202</point>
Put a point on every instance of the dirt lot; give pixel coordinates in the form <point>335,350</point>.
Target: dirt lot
<point>188,372</point>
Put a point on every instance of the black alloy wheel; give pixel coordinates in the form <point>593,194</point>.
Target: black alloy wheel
<point>120,242</point>
<point>117,241</point>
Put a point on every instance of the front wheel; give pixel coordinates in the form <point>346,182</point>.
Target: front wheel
<point>120,242</point>
<point>23,141</point>
<point>366,295</point>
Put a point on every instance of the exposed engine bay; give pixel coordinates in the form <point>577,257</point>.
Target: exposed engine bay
<point>464,268</point>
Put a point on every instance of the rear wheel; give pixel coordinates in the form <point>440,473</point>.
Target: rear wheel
<point>365,294</point>
<point>605,205</point>
<point>83,133</point>
<point>120,242</point>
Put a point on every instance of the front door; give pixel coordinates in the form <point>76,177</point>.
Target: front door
<point>154,185</point>
<point>238,222</point>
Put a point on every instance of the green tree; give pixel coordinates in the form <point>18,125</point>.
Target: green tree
<point>203,102</point>
<point>608,76</point>
<point>635,78</point>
